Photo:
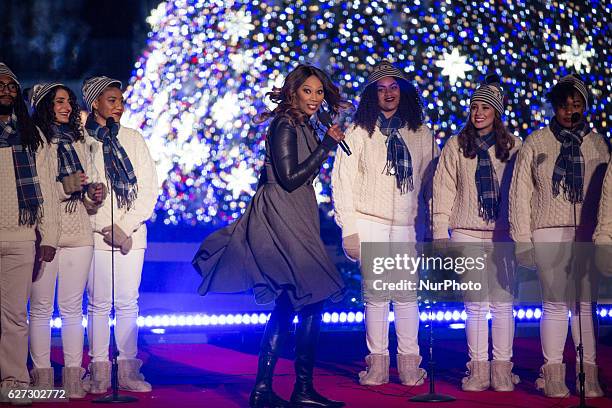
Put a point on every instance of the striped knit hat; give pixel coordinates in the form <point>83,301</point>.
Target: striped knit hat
<point>39,91</point>
<point>93,87</point>
<point>490,92</point>
<point>384,69</point>
<point>4,70</point>
<point>578,84</point>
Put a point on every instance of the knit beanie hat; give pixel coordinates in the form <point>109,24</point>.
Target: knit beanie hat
<point>384,69</point>
<point>578,84</point>
<point>93,87</point>
<point>490,92</point>
<point>4,70</point>
<point>39,91</point>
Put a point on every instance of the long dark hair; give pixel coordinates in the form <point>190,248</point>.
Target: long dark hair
<point>286,95</point>
<point>504,142</point>
<point>30,138</point>
<point>410,108</point>
<point>44,116</point>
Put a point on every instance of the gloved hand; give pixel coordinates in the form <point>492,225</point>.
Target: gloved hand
<point>524,255</point>
<point>603,255</point>
<point>352,247</point>
<point>46,253</point>
<point>114,236</point>
<point>126,246</point>
<point>440,245</point>
<point>96,192</point>
<point>73,182</point>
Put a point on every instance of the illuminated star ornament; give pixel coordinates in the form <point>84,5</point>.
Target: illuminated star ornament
<point>238,25</point>
<point>454,66</point>
<point>240,180</point>
<point>576,55</point>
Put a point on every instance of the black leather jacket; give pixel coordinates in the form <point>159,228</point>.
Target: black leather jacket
<point>294,153</point>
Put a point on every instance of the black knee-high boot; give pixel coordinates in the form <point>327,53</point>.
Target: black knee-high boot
<point>306,338</point>
<point>274,337</point>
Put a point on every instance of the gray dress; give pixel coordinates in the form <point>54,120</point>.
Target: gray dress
<point>275,245</point>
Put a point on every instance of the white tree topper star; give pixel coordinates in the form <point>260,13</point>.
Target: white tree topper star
<point>453,65</point>
<point>576,55</point>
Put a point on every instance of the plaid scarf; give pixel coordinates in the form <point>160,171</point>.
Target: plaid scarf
<point>67,159</point>
<point>29,195</point>
<point>117,164</point>
<point>569,167</point>
<point>399,161</point>
<point>487,184</point>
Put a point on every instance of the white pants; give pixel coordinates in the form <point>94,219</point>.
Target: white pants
<point>377,312</point>
<point>69,269</point>
<point>128,271</point>
<point>16,265</point>
<point>552,273</point>
<point>502,319</point>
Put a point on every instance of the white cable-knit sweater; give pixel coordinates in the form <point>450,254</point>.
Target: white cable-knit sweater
<point>75,227</point>
<point>10,230</point>
<point>131,221</point>
<point>603,232</point>
<point>532,205</point>
<point>455,196</point>
<point>360,188</point>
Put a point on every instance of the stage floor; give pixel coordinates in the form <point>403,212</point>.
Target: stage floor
<point>218,370</point>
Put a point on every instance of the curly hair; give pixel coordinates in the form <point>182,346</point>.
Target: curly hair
<point>285,96</point>
<point>410,108</point>
<point>558,95</point>
<point>504,142</point>
<point>44,115</point>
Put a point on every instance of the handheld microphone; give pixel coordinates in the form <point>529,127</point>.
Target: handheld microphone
<point>576,118</point>
<point>326,120</point>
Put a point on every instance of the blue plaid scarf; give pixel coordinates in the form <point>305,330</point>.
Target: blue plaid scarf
<point>399,161</point>
<point>67,159</point>
<point>487,184</point>
<point>117,164</point>
<point>29,196</point>
<point>569,167</point>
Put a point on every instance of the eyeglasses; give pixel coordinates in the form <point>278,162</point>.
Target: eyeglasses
<point>12,87</point>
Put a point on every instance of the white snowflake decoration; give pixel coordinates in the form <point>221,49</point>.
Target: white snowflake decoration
<point>242,61</point>
<point>237,25</point>
<point>225,109</point>
<point>453,66</point>
<point>240,179</point>
<point>576,56</point>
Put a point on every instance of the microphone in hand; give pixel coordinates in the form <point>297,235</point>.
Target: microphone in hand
<point>326,120</point>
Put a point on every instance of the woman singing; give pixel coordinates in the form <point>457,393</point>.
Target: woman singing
<point>275,247</point>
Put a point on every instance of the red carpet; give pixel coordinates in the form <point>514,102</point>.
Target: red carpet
<point>207,375</point>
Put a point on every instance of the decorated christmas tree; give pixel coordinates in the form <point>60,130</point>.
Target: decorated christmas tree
<point>207,66</point>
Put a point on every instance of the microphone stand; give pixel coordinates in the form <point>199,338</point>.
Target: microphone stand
<point>432,396</point>
<point>580,346</point>
<point>114,396</point>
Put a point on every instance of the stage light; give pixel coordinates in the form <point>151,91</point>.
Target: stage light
<point>341,317</point>
<point>359,317</point>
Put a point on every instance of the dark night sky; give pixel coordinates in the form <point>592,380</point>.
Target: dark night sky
<point>72,39</point>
